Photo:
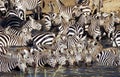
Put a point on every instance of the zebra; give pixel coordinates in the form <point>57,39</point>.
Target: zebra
<point>68,12</point>
<point>108,23</point>
<point>28,5</point>
<point>108,57</point>
<point>43,59</point>
<point>82,2</point>
<point>28,26</point>
<point>97,4</point>
<point>8,63</point>
<point>115,39</point>
<point>1,30</point>
<point>43,40</point>
<point>11,20</point>
<point>13,12</point>
<point>2,8</point>
<point>49,17</point>
<point>31,24</point>
<point>94,29</point>
<point>48,20</point>
<point>76,30</point>
<point>12,40</point>
<point>12,59</point>
<point>85,17</point>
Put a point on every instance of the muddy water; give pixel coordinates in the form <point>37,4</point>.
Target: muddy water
<point>69,72</point>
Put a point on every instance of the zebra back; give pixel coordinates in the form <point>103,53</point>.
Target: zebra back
<point>31,24</point>
<point>11,40</point>
<point>107,57</point>
<point>43,40</point>
<point>76,30</point>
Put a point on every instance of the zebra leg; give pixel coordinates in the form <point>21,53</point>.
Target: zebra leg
<point>39,12</point>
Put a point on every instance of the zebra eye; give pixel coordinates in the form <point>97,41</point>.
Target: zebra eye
<point>28,57</point>
<point>20,63</point>
<point>95,43</point>
<point>33,53</point>
<point>81,30</point>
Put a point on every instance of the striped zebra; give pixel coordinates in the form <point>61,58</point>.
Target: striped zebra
<point>25,28</point>
<point>12,40</point>
<point>61,59</point>
<point>97,4</point>
<point>108,57</point>
<point>43,40</point>
<point>115,39</point>
<point>1,29</point>
<point>8,63</point>
<point>43,59</point>
<point>94,29</point>
<point>28,5</point>
<point>108,23</point>
<point>85,17</point>
<point>59,45</point>
<point>14,12</point>
<point>82,2</point>
<point>11,20</point>
<point>48,20</point>
<point>32,24</point>
<point>68,12</point>
<point>2,8</point>
<point>12,59</point>
<point>76,30</point>
<point>49,17</point>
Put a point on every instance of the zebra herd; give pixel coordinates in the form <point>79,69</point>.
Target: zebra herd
<point>72,37</point>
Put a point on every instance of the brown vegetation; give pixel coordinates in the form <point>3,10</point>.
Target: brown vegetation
<point>108,5</point>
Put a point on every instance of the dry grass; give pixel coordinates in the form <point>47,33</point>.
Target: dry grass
<point>108,5</point>
<point>66,2</point>
<point>111,5</point>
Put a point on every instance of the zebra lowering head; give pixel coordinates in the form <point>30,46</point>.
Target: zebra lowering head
<point>12,60</point>
<point>27,55</point>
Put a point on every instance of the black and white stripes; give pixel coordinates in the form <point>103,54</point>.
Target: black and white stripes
<point>42,40</point>
<point>116,39</point>
<point>108,57</point>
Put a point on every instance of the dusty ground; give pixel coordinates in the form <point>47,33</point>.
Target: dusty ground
<point>108,5</point>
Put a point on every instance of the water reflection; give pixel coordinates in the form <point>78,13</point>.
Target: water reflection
<point>70,72</point>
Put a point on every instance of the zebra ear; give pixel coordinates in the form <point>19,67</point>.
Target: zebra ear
<point>83,38</point>
<point>31,18</point>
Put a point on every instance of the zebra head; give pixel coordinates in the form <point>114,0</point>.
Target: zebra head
<point>22,65</point>
<point>28,56</point>
<point>93,46</point>
<point>52,61</point>
<point>85,16</point>
<point>78,58</point>
<point>57,20</point>
<point>35,24</point>
<point>88,59</point>
<point>26,36</point>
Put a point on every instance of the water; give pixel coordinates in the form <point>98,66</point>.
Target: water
<point>70,72</point>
